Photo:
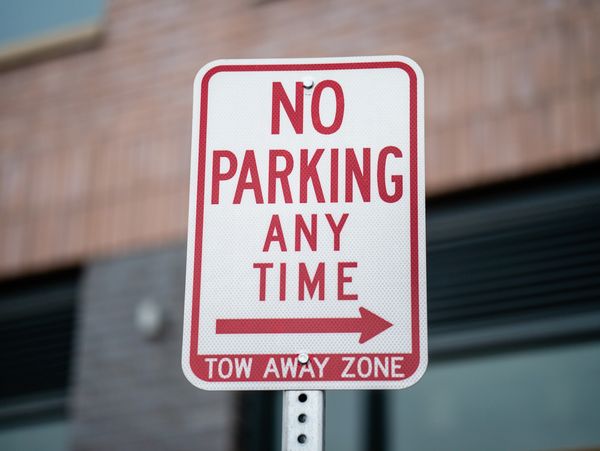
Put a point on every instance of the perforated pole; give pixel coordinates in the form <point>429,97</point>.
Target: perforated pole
<point>303,420</point>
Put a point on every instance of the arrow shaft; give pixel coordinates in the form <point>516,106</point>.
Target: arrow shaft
<point>288,326</point>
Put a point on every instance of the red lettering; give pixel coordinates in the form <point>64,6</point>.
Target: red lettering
<point>308,171</point>
<point>292,176</point>
<point>275,233</point>
<point>336,229</point>
<point>334,174</point>
<point>295,115</point>
<point>217,175</point>
<point>282,281</point>
<point>282,175</point>
<point>396,179</point>
<point>343,279</point>
<point>316,107</point>
<point>362,177</point>
<point>309,236</point>
<point>248,179</point>
<point>305,281</point>
<point>262,267</point>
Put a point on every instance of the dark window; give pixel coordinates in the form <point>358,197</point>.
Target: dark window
<point>37,319</point>
<point>516,265</point>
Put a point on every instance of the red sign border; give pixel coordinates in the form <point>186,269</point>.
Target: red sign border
<point>410,362</point>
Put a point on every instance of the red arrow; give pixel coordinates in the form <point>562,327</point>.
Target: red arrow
<point>368,325</point>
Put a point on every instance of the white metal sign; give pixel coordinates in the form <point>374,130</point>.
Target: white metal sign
<point>306,239</point>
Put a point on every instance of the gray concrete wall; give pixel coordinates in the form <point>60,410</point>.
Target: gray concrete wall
<point>129,393</point>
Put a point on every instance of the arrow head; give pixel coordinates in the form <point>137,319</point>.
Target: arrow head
<point>371,325</point>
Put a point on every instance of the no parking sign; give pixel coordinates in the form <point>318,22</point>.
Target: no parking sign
<point>306,238</point>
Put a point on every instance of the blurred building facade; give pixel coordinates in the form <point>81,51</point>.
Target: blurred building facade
<point>95,126</point>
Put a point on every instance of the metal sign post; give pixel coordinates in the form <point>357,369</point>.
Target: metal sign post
<point>303,420</point>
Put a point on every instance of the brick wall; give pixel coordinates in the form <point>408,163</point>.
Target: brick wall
<point>130,393</point>
<point>94,147</point>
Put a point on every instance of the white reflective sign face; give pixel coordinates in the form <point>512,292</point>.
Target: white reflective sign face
<point>306,240</point>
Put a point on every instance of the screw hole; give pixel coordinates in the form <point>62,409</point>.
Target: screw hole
<point>302,418</point>
<point>302,438</point>
<point>308,83</point>
<point>302,397</point>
